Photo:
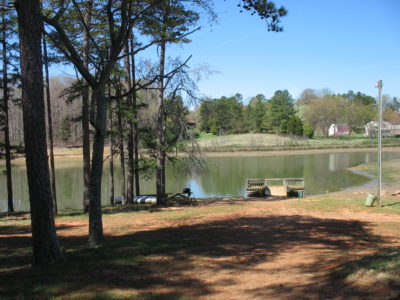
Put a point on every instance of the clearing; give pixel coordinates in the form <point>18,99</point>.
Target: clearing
<point>322,247</point>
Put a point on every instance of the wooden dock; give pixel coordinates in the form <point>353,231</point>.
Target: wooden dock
<point>276,186</point>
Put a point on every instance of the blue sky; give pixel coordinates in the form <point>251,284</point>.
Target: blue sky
<point>335,44</point>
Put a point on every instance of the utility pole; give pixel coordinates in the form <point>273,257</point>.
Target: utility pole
<point>379,86</point>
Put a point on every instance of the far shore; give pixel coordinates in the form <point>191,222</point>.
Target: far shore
<point>296,152</point>
<point>69,153</point>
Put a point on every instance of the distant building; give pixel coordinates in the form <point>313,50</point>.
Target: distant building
<point>371,129</point>
<point>339,129</point>
<point>191,123</point>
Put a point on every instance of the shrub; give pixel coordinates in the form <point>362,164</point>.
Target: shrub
<point>308,131</point>
<point>195,133</point>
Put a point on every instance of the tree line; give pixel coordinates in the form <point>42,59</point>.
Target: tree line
<point>100,40</point>
<point>313,112</point>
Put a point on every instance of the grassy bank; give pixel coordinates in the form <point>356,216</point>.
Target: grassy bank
<point>259,142</point>
<point>390,171</point>
<point>270,142</point>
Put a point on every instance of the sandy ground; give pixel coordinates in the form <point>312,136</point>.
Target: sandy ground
<point>220,249</point>
<point>259,250</point>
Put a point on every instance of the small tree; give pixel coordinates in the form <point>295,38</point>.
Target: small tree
<point>299,127</point>
<point>295,126</point>
<point>257,110</point>
<point>65,129</point>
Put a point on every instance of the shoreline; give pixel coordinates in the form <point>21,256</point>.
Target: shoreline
<point>296,152</point>
<point>67,153</point>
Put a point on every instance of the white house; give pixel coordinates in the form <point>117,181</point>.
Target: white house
<point>371,129</point>
<point>339,129</point>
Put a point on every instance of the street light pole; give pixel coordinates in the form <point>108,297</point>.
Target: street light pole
<point>379,86</point>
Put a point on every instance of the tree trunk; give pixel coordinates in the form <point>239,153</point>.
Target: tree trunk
<point>96,172</point>
<point>50,128</point>
<point>160,188</point>
<point>85,112</point>
<point>163,154</point>
<point>121,142</point>
<point>135,124</point>
<point>129,101</point>
<point>44,237</point>
<point>111,136</point>
<point>7,144</point>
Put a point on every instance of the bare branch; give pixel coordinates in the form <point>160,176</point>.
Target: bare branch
<point>72,54</point>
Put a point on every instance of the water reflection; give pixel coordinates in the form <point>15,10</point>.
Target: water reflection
<point>226,176</point>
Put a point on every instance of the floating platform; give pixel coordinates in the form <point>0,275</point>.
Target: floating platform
<point>293,187</point>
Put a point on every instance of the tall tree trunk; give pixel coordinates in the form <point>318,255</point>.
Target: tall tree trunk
<point>50,127</point>
<point>160,188</point>
<point>163,161</point>
<point>129,101</point>
<point>121,141</point>
<point>135,117</point>
<point>96,172</point>
<point>111,136</point>
<point>7,144</point>
<point>44,237</point>
<point>85,112</point>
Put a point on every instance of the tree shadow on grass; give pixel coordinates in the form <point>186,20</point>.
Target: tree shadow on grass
<point>20,215</point>
<point>16,245</point>
<point>166,261</point>
<point>391,204</point>
<point>377,277</point>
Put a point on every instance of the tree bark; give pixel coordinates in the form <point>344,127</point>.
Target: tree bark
<point>129,101</point>
<point>111,136</point>
<point>121,141</point>
<point>96,172</point>
<point>50,128</point>
<point>85,112</point>
<point>160,188</point>
<point>44,237</point>
<point>7,144</point>
<point>135,123</point>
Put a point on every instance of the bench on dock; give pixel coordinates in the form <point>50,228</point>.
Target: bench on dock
<point>276,186</point>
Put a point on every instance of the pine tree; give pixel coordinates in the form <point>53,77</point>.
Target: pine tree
<point>45,242</point>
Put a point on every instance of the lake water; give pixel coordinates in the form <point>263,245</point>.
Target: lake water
<point>226,176</point>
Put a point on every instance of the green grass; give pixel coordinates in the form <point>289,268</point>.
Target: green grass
<point>328,204</point>
<point>383,266</point>
<point>75,277</point>
<point>335,204</point>
<point>206,135</point>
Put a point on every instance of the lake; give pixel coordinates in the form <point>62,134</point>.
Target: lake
<point>226,176</point>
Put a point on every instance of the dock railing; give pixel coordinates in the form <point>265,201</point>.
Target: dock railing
<point>289,183</point>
